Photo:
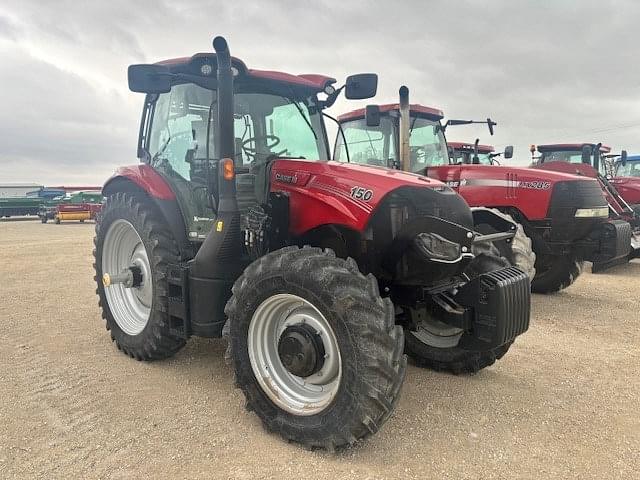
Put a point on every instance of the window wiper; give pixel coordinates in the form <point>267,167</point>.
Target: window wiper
<point>302,115</point>
<point>412,124</point>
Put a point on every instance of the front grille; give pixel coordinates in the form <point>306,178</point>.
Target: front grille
<point>570,195</point>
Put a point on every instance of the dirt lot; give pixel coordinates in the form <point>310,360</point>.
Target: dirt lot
<point>563,403</point>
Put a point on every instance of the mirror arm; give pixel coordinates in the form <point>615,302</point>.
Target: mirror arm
<point>331,99</point>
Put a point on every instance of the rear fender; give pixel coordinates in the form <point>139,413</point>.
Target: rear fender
<point>154,189</point>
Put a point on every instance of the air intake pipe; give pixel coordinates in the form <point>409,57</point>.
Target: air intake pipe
<point>405,156</point>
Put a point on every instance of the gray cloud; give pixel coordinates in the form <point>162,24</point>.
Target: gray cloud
<point>562,71</point>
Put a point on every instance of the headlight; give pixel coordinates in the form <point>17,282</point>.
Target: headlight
<point>436,248</point>
<point>596,212</point>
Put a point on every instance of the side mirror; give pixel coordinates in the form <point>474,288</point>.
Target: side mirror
<point>372,115</point>
<point>149,78</point>
<point>623,157</point>
<point>508,151</point>
<point>361,86</point>
<point>491,124</point>
<point>586,154</point>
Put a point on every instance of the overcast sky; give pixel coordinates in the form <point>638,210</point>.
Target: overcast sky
<point>565,71</point>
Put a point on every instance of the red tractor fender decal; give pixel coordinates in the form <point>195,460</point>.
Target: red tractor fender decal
<point>146,178</point>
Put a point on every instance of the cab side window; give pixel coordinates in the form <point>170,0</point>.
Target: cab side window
<point>179,126</point>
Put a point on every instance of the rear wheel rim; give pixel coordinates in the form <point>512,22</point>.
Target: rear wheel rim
<point>123,248</point>
<point>296,395</point>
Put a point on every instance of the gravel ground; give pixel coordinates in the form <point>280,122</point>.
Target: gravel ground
<point>563,403</point>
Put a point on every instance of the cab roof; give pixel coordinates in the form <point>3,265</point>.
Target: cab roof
<point>310,80</point>
<point>415,109</point>
<point>471,146</point>
<point>570,146</point>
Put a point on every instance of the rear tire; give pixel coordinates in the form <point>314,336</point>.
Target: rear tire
<point>436,347</point>
<point>558,273</point>
<point>155,339</point>
<point>361,323</point>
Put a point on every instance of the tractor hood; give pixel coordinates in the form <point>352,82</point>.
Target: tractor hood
<point>525,173</point>
<point>330,193</point>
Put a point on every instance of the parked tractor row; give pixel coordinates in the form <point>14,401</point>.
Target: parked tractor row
<point>324,273</point>
<point>77,206</point>
<point>54,204</point>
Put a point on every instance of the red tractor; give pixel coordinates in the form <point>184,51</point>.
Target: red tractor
<point>625,177</point>
<point>587,160</point>
<point>564,216</point>
<point>474,153</point>
<point>235,221</point>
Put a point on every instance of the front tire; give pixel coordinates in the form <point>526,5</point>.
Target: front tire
<point>344,308</point>
<point>556,273</point>
<point>132,232</point>
<point>519,251</point>
<point>434,344</point>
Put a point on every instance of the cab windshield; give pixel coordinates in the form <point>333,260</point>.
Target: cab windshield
<point>466,157</point>
<point>571,156</point>
<point>427,144</point>
<point>378,145</point>
<point>267,125</point>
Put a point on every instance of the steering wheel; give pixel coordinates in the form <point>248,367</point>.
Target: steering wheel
<point>270,140</point>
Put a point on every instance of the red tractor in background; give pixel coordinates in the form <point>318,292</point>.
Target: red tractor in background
<point>588,160</point>
<point>474,153</point>
<point>564,216</point>
<point>236,221</point>
<point>624,174</point>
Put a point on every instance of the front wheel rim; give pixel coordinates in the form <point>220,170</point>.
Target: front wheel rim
<point>122,249</point>
<point>437,334</point>
<point>296,395</point>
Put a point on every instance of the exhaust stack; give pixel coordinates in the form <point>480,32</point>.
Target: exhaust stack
<point>405,156</point>
<point>225,137</point>
<point>216,266</point>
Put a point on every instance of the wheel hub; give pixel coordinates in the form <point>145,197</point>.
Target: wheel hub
<point>294,354</point>
<point>301,350</point>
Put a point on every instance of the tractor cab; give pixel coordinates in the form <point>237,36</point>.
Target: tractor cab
<point>275,115</point>
<point>462,153</point>
<point>370,141</point>
<point>578,158</point>
<point>470,153</point>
